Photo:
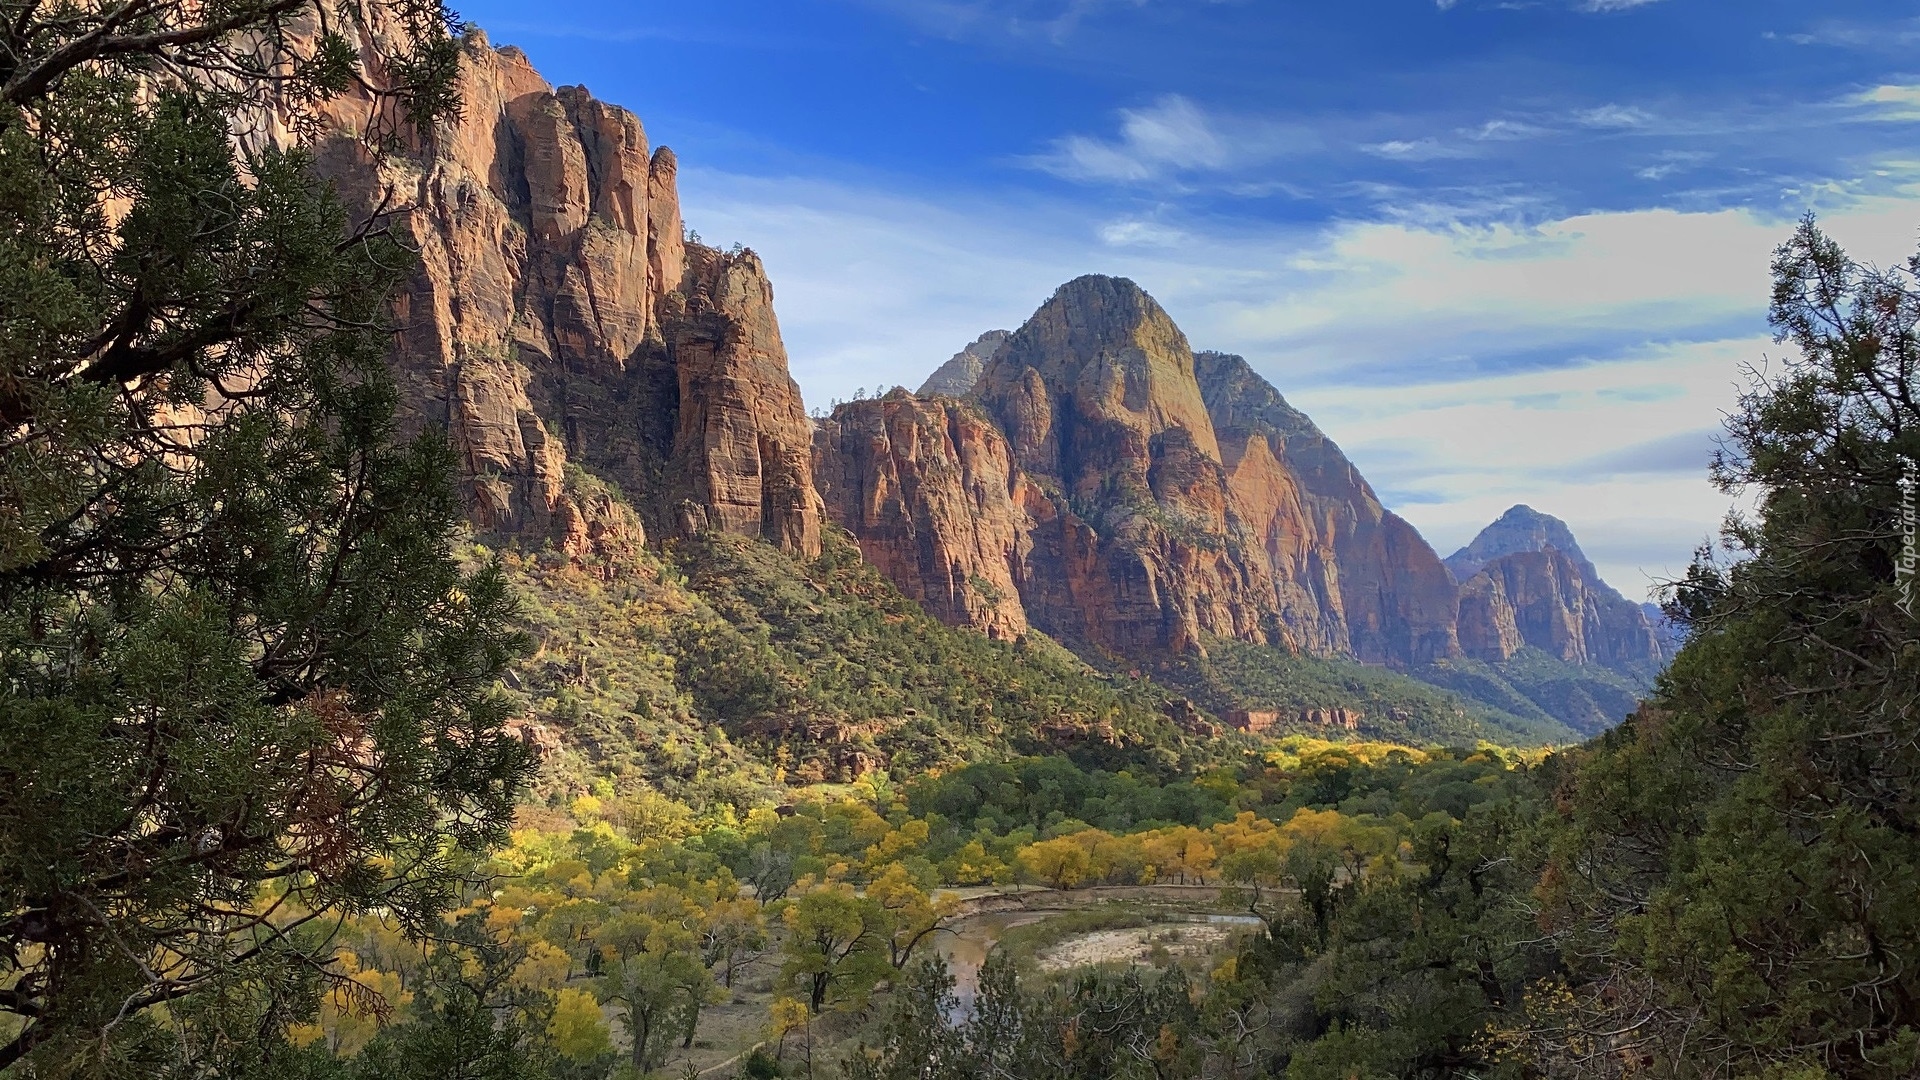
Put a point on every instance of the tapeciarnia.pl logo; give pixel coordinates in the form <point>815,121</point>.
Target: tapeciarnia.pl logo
<point>1904,570</point>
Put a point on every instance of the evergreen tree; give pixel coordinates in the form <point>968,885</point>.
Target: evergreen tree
<point>244,685</point>
<point>1737,875</point>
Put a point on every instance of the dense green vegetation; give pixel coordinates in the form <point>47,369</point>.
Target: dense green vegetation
<point>1432,708</point>
<point>1532,699</point>
<point>1539,688</point>
<point>605,949</point>
<point>723,669</point>
<point>1714,889</point>
<point>244,686</point>
<point>1735,867</point>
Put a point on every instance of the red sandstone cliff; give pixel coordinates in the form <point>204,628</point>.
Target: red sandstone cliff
<point>1383,595</point>
<point>1105,483</point>
<point>930,490</point>
<point>1114,489</point>
<point>1154,498</point>
<point>1136,545</point>
<point>557,317</point>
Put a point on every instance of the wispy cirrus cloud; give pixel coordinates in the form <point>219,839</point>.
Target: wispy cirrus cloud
<point>1140,232</point>
<point>1613,116</point>
<point>1872,37</point>
<point>1169,138</point>
<point>1575,363</point>
<point>1589,6</point>
<point>1427,148</point>
<point>1048,21</point>
<point>1604,6</point>
<point>1896,102</point>
<point>1504,130</point>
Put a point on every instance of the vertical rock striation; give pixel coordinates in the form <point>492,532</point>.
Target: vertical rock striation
<point>929,489</point>
<point>1136,548</point>
<point>1119,491</point>
<point>1088,474</point>
<point>557,319</point>
<point>1381,592</point>
<point>1155,498</point>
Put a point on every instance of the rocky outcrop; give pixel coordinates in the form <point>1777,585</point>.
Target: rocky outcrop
<point>1527,584</point>
<point>957,377</point>
<point>1152,499</point>
<point>741,459</point>
<point>1111,487</point>
<point>1354,577</point>
<point>929,490</point>
<point>1521,528</point>
<point>1135,547</point>
<point>556,321</point>
<point>603,380</point>
<point>1255,721</point>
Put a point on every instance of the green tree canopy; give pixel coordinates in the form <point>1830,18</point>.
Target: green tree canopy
<point>1741,857</point>
<point>244,683</point>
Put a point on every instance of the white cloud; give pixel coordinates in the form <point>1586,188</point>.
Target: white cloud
<point>1592,6</point>
<point>1614,116</point>
<point>1168,138</point>
<point>1172,134</point>
<point>1427,149</point>
<point>1892,102</point>
<point>1671,162</point>
<point>1469,450</point>
<point>1134,232</point>
<point>1504,131</point>
<point>1050,21</point>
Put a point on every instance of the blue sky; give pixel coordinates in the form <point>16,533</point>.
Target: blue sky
<point>1502,251</point>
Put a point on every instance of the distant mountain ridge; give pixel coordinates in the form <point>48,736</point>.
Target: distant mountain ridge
<point>1102,482</point>
<point>957,377</point>
<point>1525,582</point>
<point>1521,528</point>
<point>1143,497</point>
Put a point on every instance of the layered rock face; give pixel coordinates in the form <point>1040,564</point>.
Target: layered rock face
<point>1525,583</point>
<point>1521,528</point>
<point>1136,547</point>
<point>1379,591</point>
<point>956,377</point>
<point>1152,498</point>
<point>556,317</point>
<point>929,488</point>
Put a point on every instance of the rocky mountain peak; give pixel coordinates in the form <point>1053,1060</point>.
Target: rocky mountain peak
<point>1238,397</point>
<point>958,376</point>
<point>1521,528</point>
<point>1524,582</point>
<point>1094,377</point>
<point>600,377</point>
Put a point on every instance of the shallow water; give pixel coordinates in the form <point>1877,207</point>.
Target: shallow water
<point>965,949</point>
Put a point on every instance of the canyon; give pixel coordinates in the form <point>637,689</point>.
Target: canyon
<point>609,383</point>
